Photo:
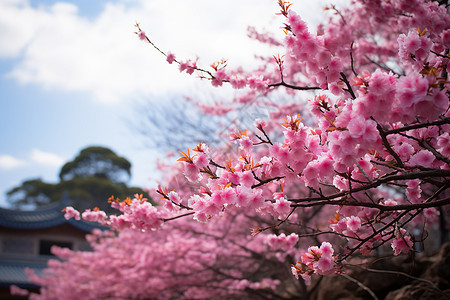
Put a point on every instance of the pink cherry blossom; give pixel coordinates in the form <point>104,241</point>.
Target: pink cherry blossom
<point>142,35</point>
<point>71,212</point>
<point>170,58</point>
<point>402,242</point>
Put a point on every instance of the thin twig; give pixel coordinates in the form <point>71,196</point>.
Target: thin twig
<point>388,146</point>
<point>397,273</point>
<point>352,60</point>
<point>262,182</point>
<point>361,285</point>
<point>180,216</point>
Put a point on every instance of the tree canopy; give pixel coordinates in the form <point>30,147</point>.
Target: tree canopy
<point>95,174</point>
<point>98,162</point>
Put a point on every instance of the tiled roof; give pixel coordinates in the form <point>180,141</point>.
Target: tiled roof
<point>12,267</point>
<point>46,217</point>
<point>13,272</point>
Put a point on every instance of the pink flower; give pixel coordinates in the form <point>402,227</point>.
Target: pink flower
<point>247,179</point>
<point>339,226</point>
<point>238,82</point>
<point>228,196</point>
<point>431,215</point>
<point>142,35</point>
<point>71,212</point>
<point>191,171</point>
<point>259,124</point>
<point>94,216</point>
<point>443,143</point>
<point>201,217</point>
<point>246,144</point>
<point>282,242</point>
<point>446,38</point>
<point>282,207</point>
<point>356,127</point>
<point>298,25</point>
<point>219,77</point>
<point>243,196</point>
<point>402,243</point>
<point>15,290</point>
<point>191,68</point>
<point>183,65</point>
<point>201,160</point>
<point>414,48</point>
<point>256,199</point>
<point>306,278</point>
<point>423,158</point>
<point>258,83</point>
<point>188,66</point>
<point>353,223</point>
<point>326,249</point>
<point>170,58</point>
<point>324,265</point>
<point>390,202</point>
<point>174,197</point>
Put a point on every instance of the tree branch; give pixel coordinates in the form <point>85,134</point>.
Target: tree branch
<point>445,120</point>
<point>378,182</point>
<point>388,146</point>
<point>294,87</point>
<point>347,83</point>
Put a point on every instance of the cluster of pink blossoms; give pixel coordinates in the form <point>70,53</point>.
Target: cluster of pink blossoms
<point>137,213</point>
<point>282,241</point>
<point>318,260</point>
<point>373,158</point>
<point>350,146</point>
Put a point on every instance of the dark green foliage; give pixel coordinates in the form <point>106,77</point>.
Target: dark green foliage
<point>30,192</point>
<point>98,162</point>
<point>90,179</point>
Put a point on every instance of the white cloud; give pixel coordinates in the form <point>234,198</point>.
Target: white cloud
<point>8,162</point>
<point>59,49</point>
<point>46,158</point>
<point>36,156</point>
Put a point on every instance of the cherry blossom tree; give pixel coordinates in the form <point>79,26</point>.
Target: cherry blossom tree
<point>185,259</point>
<point>357,170</point>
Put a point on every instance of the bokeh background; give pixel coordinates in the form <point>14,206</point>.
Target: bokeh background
<point>74,74</point>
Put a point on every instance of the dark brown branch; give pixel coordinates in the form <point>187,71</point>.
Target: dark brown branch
<point>265,134</point>
<point>352,60</point>
<point>177,217</point>
<point>294,87</point>
<point>384,208</point>
<point>347,83</point>
<point>426,145</point>
<point>262,182</point>
<point>388,146</point>
<point>383,66</point>
<point>438,54</point>
<point>352,250</point>
<point>378,182</point>
<point>213,163</point>
<point>313,234</point>
<point>443,121</point>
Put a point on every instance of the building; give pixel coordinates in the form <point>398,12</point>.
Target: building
<point>26,238</point>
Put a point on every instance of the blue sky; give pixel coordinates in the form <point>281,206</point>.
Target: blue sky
<point>71,73</point>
